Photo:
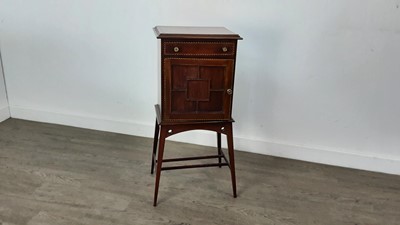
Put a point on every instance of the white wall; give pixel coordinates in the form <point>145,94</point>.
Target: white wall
<point>317,80</point>
<point>4,110</point>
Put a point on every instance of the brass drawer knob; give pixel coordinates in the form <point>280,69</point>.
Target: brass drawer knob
<point>229,91</point>
<point>224,49</point>
<point>176,49</point>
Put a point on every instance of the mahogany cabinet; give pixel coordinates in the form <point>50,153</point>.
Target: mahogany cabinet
<point>197,73</point>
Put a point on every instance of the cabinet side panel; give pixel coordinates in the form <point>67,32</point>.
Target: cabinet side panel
<point>159,69</point>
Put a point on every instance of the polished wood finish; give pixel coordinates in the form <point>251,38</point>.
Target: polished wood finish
<point>163,131</point>
<point>182,32</point>
<point>197,73</point>
<point>199,48</point>
<point>197,89</point>
<point>196,81</point>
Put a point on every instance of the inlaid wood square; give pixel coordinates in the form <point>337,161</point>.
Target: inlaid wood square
<point>216,75</point>
<point>214,105</point>
<point>182,73</point>
<point>198,90</point>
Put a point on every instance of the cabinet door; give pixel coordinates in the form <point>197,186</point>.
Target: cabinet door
<point>197,89</point>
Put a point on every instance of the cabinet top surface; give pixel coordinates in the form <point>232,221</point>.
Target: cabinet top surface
<point>194,32</point>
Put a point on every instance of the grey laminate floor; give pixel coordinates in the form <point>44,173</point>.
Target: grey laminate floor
<point>51,174</point>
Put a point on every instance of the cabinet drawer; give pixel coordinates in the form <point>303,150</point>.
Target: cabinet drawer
<point>199,48</point>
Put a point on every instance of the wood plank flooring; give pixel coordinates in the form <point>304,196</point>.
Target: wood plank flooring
<point>52,174</point>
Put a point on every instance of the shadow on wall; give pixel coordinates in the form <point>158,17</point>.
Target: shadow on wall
<point>256,91</point>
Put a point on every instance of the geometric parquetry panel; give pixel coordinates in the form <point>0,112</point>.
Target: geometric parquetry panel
<point>198,90</point>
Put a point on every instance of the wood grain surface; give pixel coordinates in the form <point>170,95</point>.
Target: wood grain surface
<point>52,174</point>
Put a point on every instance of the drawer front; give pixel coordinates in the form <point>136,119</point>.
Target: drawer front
<point>199,48</point>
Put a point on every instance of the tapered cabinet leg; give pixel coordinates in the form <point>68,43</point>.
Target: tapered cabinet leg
<point>229,136</point>
<point>163,135</point>
<point>155,142</point>
<point>219,147</point>
<point>164,131</point>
